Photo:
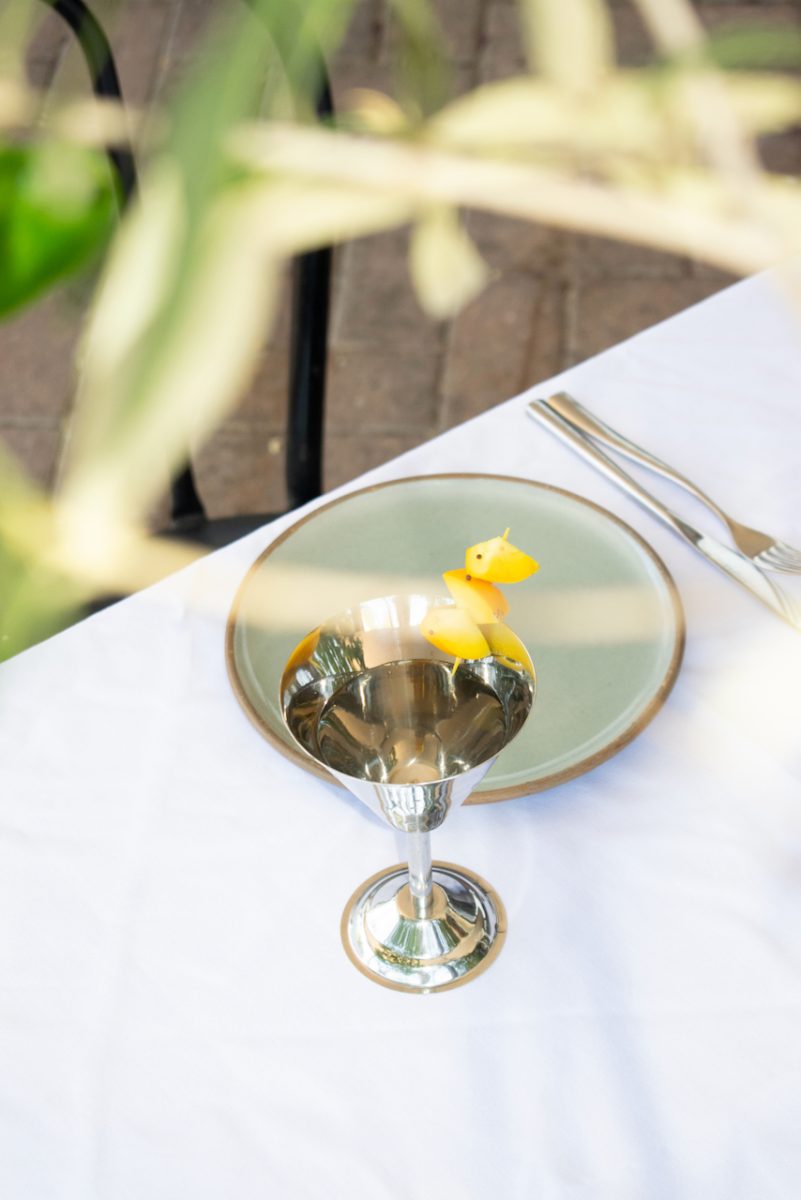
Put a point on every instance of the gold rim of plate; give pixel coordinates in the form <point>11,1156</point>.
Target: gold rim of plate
<point>493,795</point>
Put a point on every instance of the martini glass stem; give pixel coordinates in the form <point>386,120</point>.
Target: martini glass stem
<point>420,883</point>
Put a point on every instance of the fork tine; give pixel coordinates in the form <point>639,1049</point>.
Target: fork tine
<point>781,557</point>
<point>788,552</point>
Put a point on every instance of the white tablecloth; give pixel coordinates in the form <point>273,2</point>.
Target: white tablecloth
<point>177,1017</point>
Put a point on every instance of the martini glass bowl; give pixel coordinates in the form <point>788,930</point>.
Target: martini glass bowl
<point>367,697</point>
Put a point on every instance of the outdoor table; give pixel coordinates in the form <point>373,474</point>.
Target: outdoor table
<point>177,1016</point>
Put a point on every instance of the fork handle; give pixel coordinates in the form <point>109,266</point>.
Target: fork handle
<point>578,416</point>
<point>545,412</point>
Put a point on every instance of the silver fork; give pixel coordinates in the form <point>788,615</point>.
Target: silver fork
<point>761,548</point>
<point>739,567</point>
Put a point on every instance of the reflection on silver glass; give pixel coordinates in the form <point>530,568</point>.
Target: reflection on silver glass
<point>385,712</point>
<point>410,722</point>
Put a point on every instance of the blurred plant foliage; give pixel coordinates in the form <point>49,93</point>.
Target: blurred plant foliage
<point>235,180</point>
<point>56,208</point>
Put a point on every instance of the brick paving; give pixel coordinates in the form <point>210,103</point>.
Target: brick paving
<point>395,377</point>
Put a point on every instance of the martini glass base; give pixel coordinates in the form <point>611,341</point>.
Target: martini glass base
<point>457,937</point>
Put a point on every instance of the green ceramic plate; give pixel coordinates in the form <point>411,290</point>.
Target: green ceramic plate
<point>602,618</point>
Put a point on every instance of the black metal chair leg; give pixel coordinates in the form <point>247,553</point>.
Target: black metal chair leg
<point>307,378</point>
<point>186,507</point>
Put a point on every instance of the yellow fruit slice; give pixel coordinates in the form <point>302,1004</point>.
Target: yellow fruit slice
<point>482,600</point>
<point>303,651</point>
<point>498,561</point>
<point>505,644</point>
<point>454,631</point>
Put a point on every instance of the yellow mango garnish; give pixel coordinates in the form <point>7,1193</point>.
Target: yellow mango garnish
<point>482,600</point>
<point>505,644</point>
<point>454,631</point>
<point>303,650</point>
<point>498,561</point>
<point>472,628</point>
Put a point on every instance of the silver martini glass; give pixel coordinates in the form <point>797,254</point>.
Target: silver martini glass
<point>371,700</point>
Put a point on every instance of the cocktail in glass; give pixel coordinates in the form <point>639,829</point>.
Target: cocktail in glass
<point>410,734</point>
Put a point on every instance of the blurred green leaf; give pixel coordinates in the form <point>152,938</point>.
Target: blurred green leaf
<point>295,217</point>
<point>290,38</point>
<point>527,113</point>
<point>754,47</point>
<point>57,209</point>
<point>633,113</point>
<point>570,42</point>
<point>304,34</point>
<point>35,601</point>
<point>625,197</point>
<point>171,342</point>
<point>422,69</point>
<point>447,270</point>
<point>189,290</point>
<point>370,111</point>
<point>17,22</point>
<point>764,103</point>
